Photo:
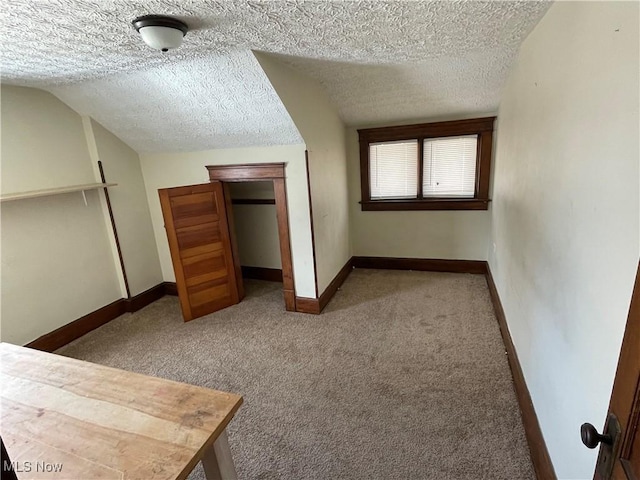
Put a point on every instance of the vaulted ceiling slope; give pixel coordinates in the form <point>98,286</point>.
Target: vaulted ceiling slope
<point>378,60</point>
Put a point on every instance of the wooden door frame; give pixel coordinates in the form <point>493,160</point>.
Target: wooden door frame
<point>260,172</point>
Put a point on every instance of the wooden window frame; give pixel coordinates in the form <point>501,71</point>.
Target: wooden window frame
<point>483,127</point>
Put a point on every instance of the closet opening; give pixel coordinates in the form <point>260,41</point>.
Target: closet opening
<point>256,204</point>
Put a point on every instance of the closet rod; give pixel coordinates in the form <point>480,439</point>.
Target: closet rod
<point>115,230</point>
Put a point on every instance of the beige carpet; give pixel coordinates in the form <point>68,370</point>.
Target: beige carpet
<point>404,376</point>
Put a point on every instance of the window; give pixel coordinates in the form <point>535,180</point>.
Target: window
<point>394,171</point>
<point>429,166</point>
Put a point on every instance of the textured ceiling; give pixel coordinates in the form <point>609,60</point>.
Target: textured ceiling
<point>219,101</point>
<point>378,60</point>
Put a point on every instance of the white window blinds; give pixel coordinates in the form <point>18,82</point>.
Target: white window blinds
<point>393,169</point>
<point>450,166</point>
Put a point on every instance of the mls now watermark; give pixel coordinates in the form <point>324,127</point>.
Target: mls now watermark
<point>27,467</point>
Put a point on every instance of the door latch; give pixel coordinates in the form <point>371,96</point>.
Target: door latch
<point>609,441</point>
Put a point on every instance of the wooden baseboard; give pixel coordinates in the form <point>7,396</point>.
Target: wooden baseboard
<point>335,284</point>
<point>170,288</point>
<point>316,305</point>
<point>67,333</point>
<point>308,305</point>
<point>145,298</point>
<point>537,447</point>
<point>289,300</point>
<point>261,273</point>
<point>422,264</point>
<point>71,331</point>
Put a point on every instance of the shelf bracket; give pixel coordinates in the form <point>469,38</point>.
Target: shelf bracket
<point>84,197</point>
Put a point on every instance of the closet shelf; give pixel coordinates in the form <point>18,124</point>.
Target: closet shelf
<point>253,201</point>
<point>53,191</point>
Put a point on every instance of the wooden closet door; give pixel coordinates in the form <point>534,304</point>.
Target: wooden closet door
<point>196,223</point>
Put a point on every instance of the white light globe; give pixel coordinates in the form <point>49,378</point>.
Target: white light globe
<point>161,38</point>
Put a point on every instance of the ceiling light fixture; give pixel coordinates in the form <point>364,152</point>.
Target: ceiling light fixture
<point>160,32</point>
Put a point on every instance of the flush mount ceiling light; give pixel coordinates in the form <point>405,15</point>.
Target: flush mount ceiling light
<point>160,32</point>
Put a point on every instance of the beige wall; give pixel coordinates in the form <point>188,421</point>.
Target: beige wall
<point>130,210</point>
<point>257,235</point>
<point>461,235</point>
<point>43,142</point>
<point>323,132</point>
<point>176,169</point>
<point>256,226</point>
<point>57,263</point>
<point>566,213</point>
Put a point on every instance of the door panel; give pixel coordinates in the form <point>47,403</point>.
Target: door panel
<point>624,409</point>
<point>204,268</point>
<point>194,209</point>
<point>198,234</point>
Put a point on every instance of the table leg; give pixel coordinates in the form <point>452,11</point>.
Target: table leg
<point>218,462</point>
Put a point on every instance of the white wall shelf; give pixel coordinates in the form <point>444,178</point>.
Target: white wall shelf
<point>7,197</point>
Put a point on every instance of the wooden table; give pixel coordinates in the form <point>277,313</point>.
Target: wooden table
<point>96,422</point>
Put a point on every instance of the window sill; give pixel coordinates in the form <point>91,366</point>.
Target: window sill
<point>435,204</point>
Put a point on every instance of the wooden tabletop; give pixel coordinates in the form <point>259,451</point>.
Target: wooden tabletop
<point>99,422</point>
